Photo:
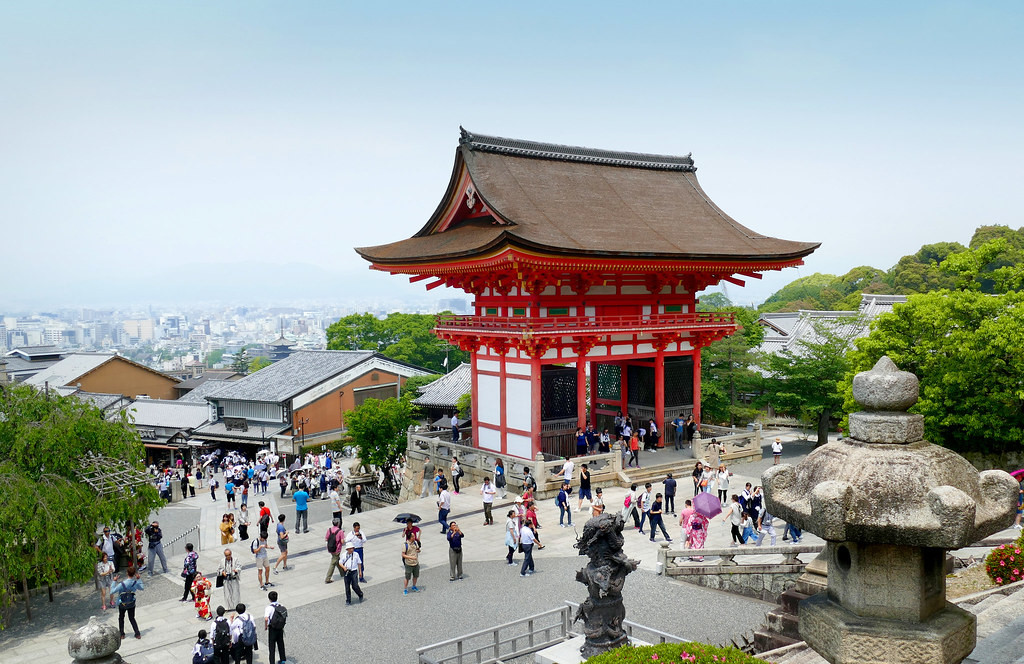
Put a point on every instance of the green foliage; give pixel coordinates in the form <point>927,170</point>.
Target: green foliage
<point>214,356</point>
<point>464,405</point>
<point>258,363</point>
<point>675,653</point>
<point>996,266</point>
<point>48,517</point>
<point>726,375</point>
<point>411,386</point>
<point>826,292</point>
<point>241,362</point>
<point>806,381</point>
<point>378,429</point>
<point>965,348</point>
<point>922,272</point>
<point>1005,563</point>
<point>404,337</point>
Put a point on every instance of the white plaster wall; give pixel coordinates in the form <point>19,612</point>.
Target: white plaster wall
<point>634,290</point>
<point>622,349</point>
<point>518,446</point>
<point>488,394</point>
<point>488,365</point>
<point>489,439</point>
<point>517,369</point>
<point>601,290</point>
<point>644,348</point>
<point>518,403</point>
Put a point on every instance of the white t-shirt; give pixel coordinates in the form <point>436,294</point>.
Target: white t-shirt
<point>356,539</point>
<point>351,561</point>
<point>487,491</point>
<point>777,447</point>
<point>526,536</point>
<point>567,469</point>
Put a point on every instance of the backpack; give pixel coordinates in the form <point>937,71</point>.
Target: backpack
<point>278,618</point>
<point>255,543</point>
<point>332,542</point>
<point>628,501</point>
<point>265,523</point>
<point>443,483</point>
<point>221,635</point>
<point>248,635</point>
<point>205,654</point>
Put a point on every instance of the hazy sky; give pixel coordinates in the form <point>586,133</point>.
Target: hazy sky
<point>141,142</point>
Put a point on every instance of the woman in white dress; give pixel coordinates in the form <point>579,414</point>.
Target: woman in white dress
<point>104,579</point>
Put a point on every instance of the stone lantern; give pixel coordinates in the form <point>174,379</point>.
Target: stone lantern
<point>889,504</point>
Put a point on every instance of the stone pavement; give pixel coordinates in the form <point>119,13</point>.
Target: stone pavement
<point>169,627</point>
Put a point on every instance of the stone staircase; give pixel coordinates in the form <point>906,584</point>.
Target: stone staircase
<point>1000,632</point>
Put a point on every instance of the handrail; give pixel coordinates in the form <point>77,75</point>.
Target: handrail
<point>556,325</point>
<point>496,640</point>
<point>630,626</point>
<point>169,544</point>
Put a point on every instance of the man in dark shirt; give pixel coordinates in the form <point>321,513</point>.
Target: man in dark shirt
<point>584,488</point>
<point>455,551</point>
<point>156,547</point>
<point>670,494</point>
<point>657,520</point>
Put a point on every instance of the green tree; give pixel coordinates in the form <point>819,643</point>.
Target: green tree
<point>806,381</point>
<point>404,337</point>
<point>214,356</point>
<point>241,361</point>
<point>411,386</point>
<point>378,428</point>
<point>258,363</point>
<point>922,272</point>
<point>725,365</point>
<point>965,347</point>
<point>464,406</point>
<point>48,514</point>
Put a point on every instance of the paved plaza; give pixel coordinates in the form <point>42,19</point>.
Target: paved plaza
<point>321,627</point>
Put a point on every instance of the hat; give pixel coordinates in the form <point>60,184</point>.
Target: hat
<point>350,545</point>
<point>778,440</point>
<point>519,499</point>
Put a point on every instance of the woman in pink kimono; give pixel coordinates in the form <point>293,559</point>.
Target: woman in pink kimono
<point>697,527</point>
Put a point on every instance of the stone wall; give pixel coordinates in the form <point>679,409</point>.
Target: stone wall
<point>764,585</point>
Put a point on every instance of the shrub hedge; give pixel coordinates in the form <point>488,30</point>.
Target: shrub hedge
<point>674,653</point>
<point>1005,564</point>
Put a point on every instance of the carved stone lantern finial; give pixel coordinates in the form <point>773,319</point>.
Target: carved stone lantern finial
<point>889,504</point>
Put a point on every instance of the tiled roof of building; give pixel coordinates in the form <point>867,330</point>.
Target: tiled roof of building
<point>199,393</point>
<point>18,367</point>
<point>169,414</point>
<point>784,330</point>
<point>218,431</point>
<point>447,389</point>
<point>298,372</point>
<point>579,202</point>
<point>34,351</point>
<point>68,370</point>
<point>76,365</point>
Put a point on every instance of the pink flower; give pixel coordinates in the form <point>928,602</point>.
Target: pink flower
<point>1002,563</point>
<point>1016,550</point>
<point>999,579</point>
<point>655,656</point>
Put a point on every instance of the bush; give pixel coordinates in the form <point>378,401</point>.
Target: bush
<point>1005,564</point>
<point>675,653</point>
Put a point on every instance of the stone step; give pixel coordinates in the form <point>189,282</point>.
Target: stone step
<point>800,655</point>
<point>1000,614</point>
<point>1003,647</point>
<point>983,604</point>
<point>786,624</point>
<point>790,600</point>
<point>764,641</point>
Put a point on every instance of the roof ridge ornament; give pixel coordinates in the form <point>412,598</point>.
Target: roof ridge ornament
<point>557,152</point>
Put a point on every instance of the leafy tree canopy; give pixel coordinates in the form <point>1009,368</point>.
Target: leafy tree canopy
<point>48,516</point>
<point>378,428</point>
<point>214,356</point>
<point>805,381</point>
<point>258,363</point>
<point>965,347</point>
<point>404,337</point>
<point>411,386</point>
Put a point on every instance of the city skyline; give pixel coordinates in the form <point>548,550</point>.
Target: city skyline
<point>192,153</point>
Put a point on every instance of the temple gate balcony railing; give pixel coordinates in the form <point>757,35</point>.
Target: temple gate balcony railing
<point>561,326</point>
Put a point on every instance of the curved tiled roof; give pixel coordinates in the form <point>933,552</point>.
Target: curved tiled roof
<point>447,389</point>
<point>579,202</point>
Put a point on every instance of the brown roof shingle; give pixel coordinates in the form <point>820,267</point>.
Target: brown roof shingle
<point>582,202</point>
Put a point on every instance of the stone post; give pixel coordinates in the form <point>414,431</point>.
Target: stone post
<point>889,504</point>
<point>617,460</point>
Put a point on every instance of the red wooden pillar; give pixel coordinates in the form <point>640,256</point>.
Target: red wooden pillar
<point>593,393</point>
<point>535,407</point>
<point>503,422</point>
<point>624,388</point>
<point>474,400</point>
<point>696,385</point>
<point>581,392</point>
<point>659,394</point>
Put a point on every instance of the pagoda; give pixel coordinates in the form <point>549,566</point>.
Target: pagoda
<point>581,262</point>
